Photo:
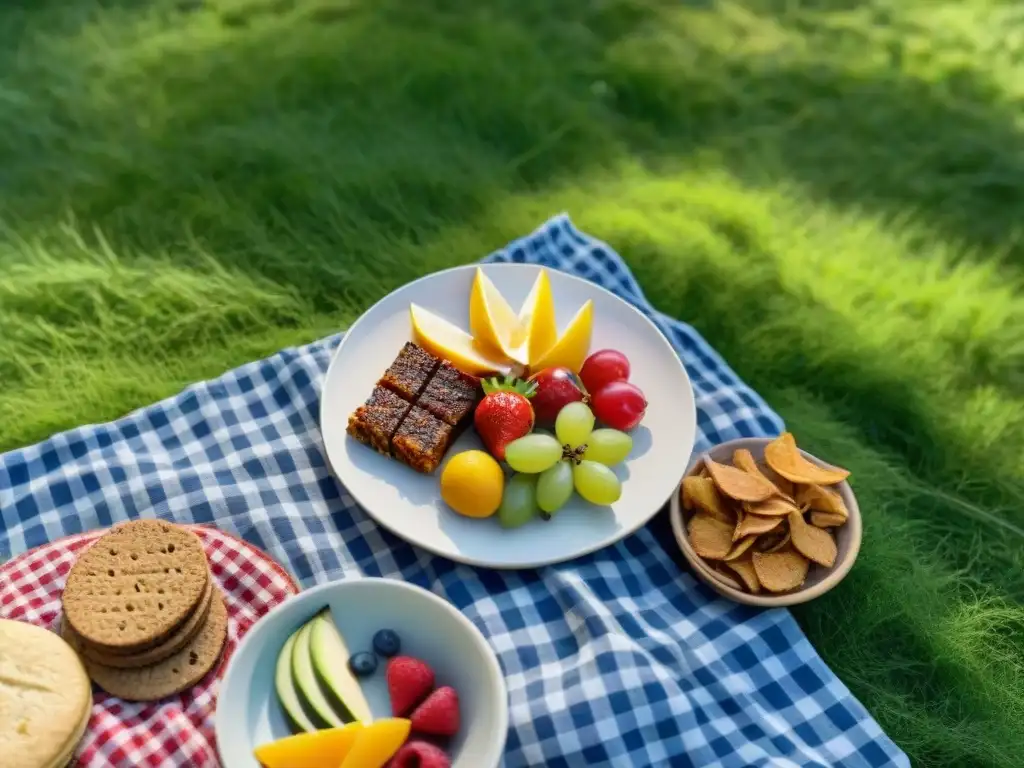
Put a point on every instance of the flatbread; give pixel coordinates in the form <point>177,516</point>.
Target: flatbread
<point>72,745</point>
<point>44,696</point>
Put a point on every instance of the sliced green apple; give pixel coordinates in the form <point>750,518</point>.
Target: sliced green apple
<point>330,662</point>
<point>306,681</point>
<point>287,694</point>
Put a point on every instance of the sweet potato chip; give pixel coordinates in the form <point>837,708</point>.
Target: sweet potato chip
<point>773,507</point>
<point>745,570</point>
<point>700,493</point>
<point>772,542</point>
<point>754,525</point>
<point>811,542</point>
<point>821,499</point>
<point>740,547</point>
<point>726,578</point>
<point>786,487</point>
<point>710,537</point>
<point>780,571</point>
<point>743,459</point>
<point>785,458</point>
<point>826,519</point>
<point>737,484</point>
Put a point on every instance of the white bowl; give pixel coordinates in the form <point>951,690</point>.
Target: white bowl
<point>430,628</point>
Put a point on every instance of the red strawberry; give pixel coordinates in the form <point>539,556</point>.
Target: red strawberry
<point>409,682</point>
<point>505,413</point>
<point>420,754</point>
<point>439,714</point>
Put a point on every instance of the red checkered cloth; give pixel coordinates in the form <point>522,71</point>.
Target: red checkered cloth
<point>177,731</point>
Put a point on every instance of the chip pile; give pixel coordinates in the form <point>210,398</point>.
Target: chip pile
<point>760,527</point>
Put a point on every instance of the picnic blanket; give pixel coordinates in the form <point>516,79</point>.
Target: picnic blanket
<point>618,658</point>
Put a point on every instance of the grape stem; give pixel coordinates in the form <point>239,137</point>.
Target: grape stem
<point>576,455</point>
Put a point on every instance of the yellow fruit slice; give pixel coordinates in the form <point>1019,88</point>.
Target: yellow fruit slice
<point>376,744</point>
<point>537,322</point>
<point>441,338</point>
<point>571,349</point>
<point>492,323</point>
<point>319,749</point>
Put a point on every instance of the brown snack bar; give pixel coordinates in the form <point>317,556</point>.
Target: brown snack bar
<point>417,409</point>
<point>375,422</point>
<point>451,395</point>
<point>408,375</point>
<point>421,440</point>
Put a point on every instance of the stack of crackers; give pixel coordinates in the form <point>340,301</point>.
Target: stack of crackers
<point>45,697</point>
<point>143,612</point>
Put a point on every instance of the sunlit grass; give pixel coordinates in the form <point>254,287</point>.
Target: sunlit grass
<point>830,191</point>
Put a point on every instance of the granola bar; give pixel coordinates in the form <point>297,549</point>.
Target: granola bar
<point>451,395</point>
<point>376,422</point>
<point>409,373</point>
<point>421,440</point>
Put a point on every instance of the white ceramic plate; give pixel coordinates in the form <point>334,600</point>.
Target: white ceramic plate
<point>430,629</point>
<point>409,504</point>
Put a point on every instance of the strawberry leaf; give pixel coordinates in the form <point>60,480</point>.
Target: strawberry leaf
<point>509,384</point>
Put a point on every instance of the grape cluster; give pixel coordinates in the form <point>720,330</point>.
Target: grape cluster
<point>550,467</point>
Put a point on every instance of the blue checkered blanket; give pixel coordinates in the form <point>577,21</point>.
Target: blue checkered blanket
<point>617,658</point>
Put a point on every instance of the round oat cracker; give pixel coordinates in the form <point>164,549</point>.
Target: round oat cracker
<point>171,645</point>
<point>175,673</point>
<point>44,699</point>
<point>135,586</point>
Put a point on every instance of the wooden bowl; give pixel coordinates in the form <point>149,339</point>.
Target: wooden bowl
<point>819,579</point>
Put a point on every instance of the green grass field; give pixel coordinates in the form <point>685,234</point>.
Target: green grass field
<point>830,190</point>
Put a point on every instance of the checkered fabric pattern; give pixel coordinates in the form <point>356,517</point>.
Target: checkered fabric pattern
<point>177,731</point>
<point>617,658</point>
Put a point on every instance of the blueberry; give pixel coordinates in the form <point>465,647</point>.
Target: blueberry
<point>362,664</point>
<point>386,643</point>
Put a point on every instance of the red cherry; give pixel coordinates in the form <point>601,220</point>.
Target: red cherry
<point>621,405</point>
<point>602,368</point>
<point>556,388</point>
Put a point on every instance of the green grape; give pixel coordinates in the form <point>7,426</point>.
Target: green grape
<point>533,453</point>
<point>519,502</point>
<point>608,446</point>
<point>554,487</point>
<point>596,483</point>
<point>573,424</point>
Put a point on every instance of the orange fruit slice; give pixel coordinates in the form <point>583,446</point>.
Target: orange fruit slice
<point>492,322</point>
<point>376,744</point>
<point>448,341</point>
<point>571,348</point>
<point>319,749</point>
<point>537,322</point>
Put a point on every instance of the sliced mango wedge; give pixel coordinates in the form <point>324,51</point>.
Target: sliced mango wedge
<point>492,322</point>
<point>537,322</point>
<point>376,744</point>
<point>448,341</point>
<point>571,348</point>
<point>319,749</point>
